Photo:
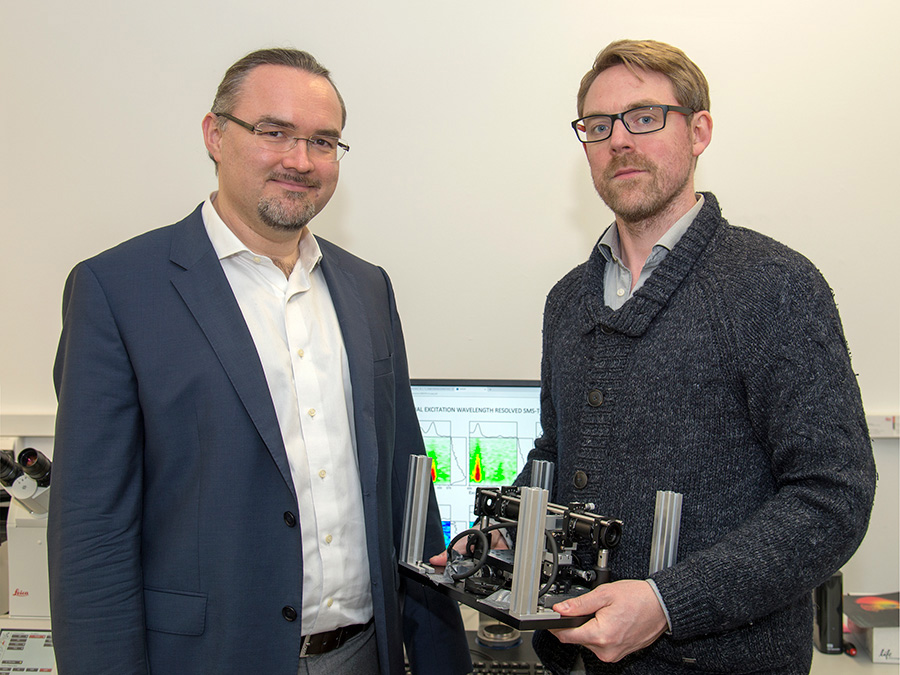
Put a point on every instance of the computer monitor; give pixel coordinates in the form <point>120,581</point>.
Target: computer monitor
<point>477,433</point>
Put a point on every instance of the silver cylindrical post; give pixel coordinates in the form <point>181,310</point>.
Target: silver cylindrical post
<point>666,530</point>
<point>542,474</point>
<point>529,555</point>
<point>412,542</point>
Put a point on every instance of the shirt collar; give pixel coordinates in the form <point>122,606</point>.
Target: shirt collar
<point>226,243</point>
<point>610,247</point>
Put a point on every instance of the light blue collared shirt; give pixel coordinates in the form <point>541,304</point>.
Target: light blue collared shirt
<point>617,279</point>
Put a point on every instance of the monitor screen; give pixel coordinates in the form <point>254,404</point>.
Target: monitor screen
<point>477,433</point>
<point>27,650</point>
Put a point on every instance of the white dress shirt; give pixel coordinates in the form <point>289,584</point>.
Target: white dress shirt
<point>299,342</point>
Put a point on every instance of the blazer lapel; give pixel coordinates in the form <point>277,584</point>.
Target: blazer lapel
<point>203,286</point>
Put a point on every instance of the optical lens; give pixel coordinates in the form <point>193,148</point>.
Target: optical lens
<point>645,120</point>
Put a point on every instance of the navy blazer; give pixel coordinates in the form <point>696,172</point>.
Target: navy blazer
<point>174,533</point>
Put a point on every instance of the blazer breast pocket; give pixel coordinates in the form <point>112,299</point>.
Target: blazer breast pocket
<point>177,612</point>
<point>383,366</point>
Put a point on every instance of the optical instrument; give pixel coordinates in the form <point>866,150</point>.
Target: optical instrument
<point>559,552</point>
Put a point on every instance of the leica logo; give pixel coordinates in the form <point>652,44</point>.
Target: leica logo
<point>19,593</point>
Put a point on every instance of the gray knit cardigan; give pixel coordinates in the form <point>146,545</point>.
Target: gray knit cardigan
<point>725,378</point>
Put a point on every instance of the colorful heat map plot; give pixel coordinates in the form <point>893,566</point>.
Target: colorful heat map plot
<point>438,449</point>
<point>493,461</point>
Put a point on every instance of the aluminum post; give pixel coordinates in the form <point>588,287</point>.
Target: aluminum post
<point>666,530</point>
<point>542,474</point>
<point>529,555</point>
<point>412,542</point>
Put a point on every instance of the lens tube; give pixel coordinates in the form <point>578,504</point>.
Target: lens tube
<point>36,465</point>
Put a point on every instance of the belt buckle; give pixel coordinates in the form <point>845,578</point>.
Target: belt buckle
<point>304,645</point>
<point>334,639</point>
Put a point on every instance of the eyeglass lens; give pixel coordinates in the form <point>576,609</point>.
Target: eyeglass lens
<point>279,139</point>
<point>637,121</point>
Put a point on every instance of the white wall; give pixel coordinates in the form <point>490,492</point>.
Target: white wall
<point>465,180</point>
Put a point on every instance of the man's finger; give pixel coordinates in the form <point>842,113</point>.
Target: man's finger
<point>439,560</point>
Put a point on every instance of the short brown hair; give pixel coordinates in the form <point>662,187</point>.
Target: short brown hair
<point>688,81</point>
<point>230,87</point>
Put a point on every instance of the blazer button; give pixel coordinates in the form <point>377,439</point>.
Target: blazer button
<point>289,519</point>
<point>580,481</point>
<point>289,613</point>
<point>595,398</point>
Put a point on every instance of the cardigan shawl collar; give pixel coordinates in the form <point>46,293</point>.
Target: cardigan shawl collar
<point>636,315</point>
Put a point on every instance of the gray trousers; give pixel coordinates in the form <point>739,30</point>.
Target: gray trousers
<point>358,656</point>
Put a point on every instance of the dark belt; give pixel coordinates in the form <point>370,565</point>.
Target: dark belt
<point>320,643</point>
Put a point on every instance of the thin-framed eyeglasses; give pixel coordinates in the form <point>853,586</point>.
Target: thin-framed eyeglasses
<point>643,120</point>
<point>280,139</point>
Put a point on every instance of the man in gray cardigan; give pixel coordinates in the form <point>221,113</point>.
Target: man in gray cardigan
<point>690,355</point>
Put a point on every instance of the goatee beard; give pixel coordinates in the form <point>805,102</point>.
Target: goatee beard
<point>286,217</point>
<point>291,212</point>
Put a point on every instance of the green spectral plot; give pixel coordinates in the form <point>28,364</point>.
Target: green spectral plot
<point>439,451</point>
<point>492,461</point>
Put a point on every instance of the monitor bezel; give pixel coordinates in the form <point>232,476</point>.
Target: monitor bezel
<point>463,382</point>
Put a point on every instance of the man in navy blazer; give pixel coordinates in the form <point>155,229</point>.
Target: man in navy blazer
<point>235,423</point>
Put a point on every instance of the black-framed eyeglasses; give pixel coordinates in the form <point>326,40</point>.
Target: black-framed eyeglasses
<point>643,120</point>
<point>281,139</point>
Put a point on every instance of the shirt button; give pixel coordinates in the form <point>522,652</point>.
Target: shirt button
<point>595,398</point>
<point>322,473</point>
<point>289,613</point>
<point>620,292</point>
<point>311,412</point>
<point>580,480</point>
<point>257,259</point>
<point>290,519</point>
<point>300,353</point>
<point>327,538</point>
<point>329,602</point>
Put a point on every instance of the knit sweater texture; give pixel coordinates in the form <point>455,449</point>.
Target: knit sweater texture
<point>726,378</point>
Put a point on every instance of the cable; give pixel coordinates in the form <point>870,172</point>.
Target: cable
<point>483,540</point>
<point>485,550</point>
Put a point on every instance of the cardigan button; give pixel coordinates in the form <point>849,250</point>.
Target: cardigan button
<point>606,330</point>
<point>595,398</point>
<point>580,481</point>
<point>290,519</point>
<point>289,613</point>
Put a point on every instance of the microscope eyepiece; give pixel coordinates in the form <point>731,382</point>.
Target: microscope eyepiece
<point>36,465</point>
<point>9,470</point>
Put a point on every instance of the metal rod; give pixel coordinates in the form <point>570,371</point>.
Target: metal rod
<point>529,553</point>
<point>542,474</point>
<point>554,509</point>
<point>666,530</point>
<point>412,542</point>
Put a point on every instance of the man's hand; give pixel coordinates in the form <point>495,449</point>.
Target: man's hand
<point>627,617</point>
<point>440,560</point>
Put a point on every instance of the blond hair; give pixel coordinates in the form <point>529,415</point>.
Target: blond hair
<point>688,82</point>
